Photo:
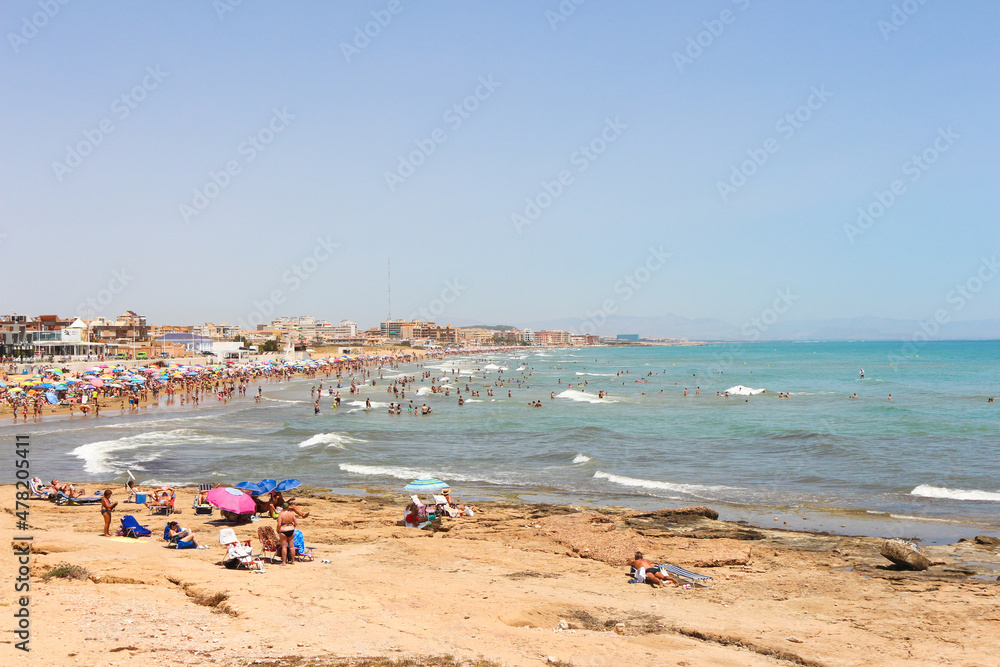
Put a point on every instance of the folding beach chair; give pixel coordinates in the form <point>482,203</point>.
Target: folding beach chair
<point>687,576</point>
<point>302,552</point>
<point>442,507</point>
<point>239,554</point>
<point>131,527</point>
<point>205,508</point>
<point>269,542</point>
<point>38,494</point>
<point>165,508</point>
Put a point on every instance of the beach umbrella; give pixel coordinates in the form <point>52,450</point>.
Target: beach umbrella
<point>231,500</point>
<point>287,485</point>
<point>253,487</point>
<point>426,485</point>
<point>267,485</point>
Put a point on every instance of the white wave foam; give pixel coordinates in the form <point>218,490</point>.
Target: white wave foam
<point>281,400</point>
<point>473,400</point>
<point>387,471</point>
<point>928,491</point>
<point>603,375</point>
<point>104,456</point>
<point>741,390</point>
<point>582,396</point>
<point>338,440</point>
<point>423,391</point>
<point>581,458</point>
<point>374,404</point>
<point>906,517</point>
<point>696,490</point>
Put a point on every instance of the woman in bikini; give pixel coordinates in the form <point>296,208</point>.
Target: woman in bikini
<point>286,534</point>
<point>106,507</point>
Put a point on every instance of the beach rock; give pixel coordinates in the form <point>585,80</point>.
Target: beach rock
<point>620,628</point>
<point>987,539</point>
<point>905,555</point>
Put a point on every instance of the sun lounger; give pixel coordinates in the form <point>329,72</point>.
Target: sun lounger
<point>205,508</point>
<point>131,527</point>
<point>687,576</point>
<point>63,499</point>
<point>38,494</point>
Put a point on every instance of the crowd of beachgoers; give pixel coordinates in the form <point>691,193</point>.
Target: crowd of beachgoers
<point>31,391</point>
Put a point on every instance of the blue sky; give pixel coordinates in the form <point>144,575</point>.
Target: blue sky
<point>330,125</point>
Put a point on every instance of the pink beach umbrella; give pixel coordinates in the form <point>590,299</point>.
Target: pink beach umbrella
<point>97,382</point>
<point>232,500</point>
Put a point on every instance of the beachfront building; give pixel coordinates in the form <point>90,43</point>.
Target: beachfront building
<point>14,339</point>
<point>528,336</point>
<point>578,340</point>
<point>554,337</point>
<point>399,329</point>
<point>303,329</point>
<point>346,329</point>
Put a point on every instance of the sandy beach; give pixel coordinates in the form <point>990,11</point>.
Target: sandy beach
<point>517,584</point>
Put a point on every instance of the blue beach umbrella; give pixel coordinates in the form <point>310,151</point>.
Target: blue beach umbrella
<point>426,485</point>
<point>287,485</point>
<point>267,485</point>
<point>251,486</point>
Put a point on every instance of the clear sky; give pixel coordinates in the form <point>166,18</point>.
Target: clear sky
<point>739,138</point>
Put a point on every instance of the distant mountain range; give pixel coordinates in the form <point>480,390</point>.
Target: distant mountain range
<point>713,329</point>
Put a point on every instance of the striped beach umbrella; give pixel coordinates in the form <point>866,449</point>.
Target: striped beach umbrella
<point>426,485</point>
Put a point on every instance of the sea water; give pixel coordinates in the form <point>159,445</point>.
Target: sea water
<point>930,454</point>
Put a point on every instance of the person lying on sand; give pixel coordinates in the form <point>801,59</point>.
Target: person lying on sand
<point>68,489</point>
<point>646,572</point>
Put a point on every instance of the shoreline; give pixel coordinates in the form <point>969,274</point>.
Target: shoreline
<point>524,582</point>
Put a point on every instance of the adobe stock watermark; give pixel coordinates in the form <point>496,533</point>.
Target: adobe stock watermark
<point>104,297</point>
<point>562,12</point>
<point>754,329</point>
<point>121,108</point>
<point>248,149</point>
<point>913,168</point>
<point>704,39</point>
<point>363,35</point>
<point>294,277</point>
<point>786,126</point>
<point>901,13</point>
<point>957,298</point>
<point>454,116</point>
<point>31,25</point>
<point>581,159</point>
<point>223,7</point>
<point>629,284</point>
<point>450,293</point>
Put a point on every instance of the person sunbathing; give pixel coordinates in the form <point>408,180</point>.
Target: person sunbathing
<point>68,490</point>
<point>161,497</point>
<point>41,489</point>
<point>133,489</point>
<point>646,572</point>
<point>277,501</point>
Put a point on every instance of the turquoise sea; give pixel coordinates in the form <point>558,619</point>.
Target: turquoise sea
<point>925,463</point>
